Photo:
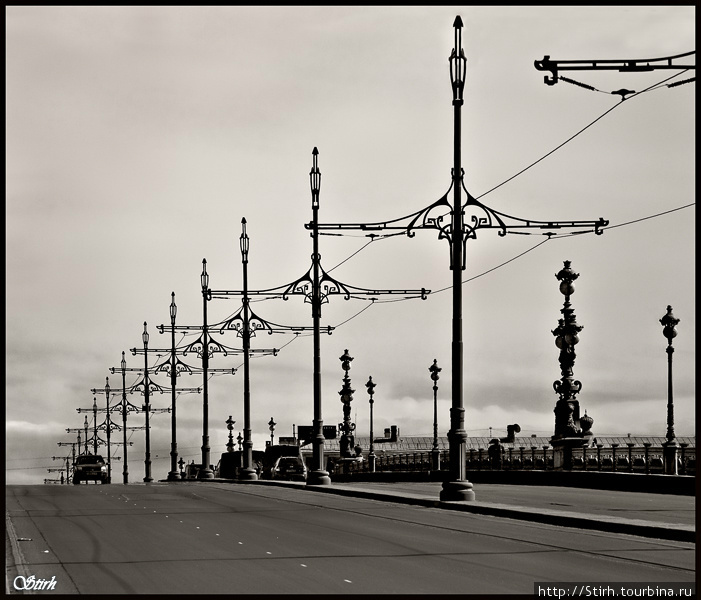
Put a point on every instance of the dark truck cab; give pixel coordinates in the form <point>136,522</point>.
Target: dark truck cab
<point>90,467</point>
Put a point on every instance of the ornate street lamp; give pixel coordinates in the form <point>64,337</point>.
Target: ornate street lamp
<point>94,420</point>
<point>271,426</point>
<point>230,426</point>
<point>204,346</point>
<point>248,473</point>
<point>181,464</point>
<point>371,456</point>
<point>85,425</point>
<point>568,433</point>
<point>108,429</point>
<point>126,407</point>
<point>107,425</point>
<point>205,471</point>
<point>173,474</point>
<point>146,408</point>
<point>457,232</point>
<point>346,393</point>
<point>669,322</point>
<point>435,452</point>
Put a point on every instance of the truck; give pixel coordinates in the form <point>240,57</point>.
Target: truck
<point>90,467</point>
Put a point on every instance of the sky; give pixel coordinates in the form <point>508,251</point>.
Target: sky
<point>138,137</point>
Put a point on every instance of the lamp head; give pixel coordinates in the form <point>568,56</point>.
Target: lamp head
<point>315,179</point>
<point>244,241</point>
<point>173,308</point>
<point>669,322</point>
<point>204,278</point>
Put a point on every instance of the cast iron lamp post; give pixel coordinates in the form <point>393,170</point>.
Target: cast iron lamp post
<point>669,322</point>
<point>94,421</point>
<point>347,427</point>
<point>568,433</point>
<point>72,445</point>
<point>457,232</point>
<point>435,452</point>
<point>246,323</point>
<point>147,457</point>
<point>371,456</point>
<point>148,385</point>
<point>271,426</point>
<point>248,473</point>
<point>230,426</point>
<point>204,347</point>
<point>174,474</point>
<point>205,472</point>
<point>107,425</point>
<point>125,407</point>
<point>173,367</point>
<point>316,286</point>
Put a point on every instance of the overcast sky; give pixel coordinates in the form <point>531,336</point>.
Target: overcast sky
<point>138,137</point>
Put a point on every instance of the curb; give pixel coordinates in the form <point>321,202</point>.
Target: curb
<point>665,531</point>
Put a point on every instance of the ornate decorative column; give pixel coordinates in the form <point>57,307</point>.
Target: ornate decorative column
<point>371,455</point>
<point>347,427</point>
<point>669,322</point>
<point>568,433</point>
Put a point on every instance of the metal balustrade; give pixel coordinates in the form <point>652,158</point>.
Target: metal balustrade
<point>629,459</point>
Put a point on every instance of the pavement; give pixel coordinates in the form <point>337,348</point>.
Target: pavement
<point>662,516</point>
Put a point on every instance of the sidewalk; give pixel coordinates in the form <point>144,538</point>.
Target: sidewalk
<point>660,516</point>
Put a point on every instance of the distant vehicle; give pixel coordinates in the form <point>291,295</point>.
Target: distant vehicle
<point>284,462</point>
<point>291,468</point>
<point>90,467</point>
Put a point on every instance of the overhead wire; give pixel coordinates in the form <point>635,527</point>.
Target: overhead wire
<point>653,86</point>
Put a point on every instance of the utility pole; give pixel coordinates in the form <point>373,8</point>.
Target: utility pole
<point>457,231</point>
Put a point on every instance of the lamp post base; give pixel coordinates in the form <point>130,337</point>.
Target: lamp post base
<point>669,453</point>
<point>205,474</point>
<point>435,460</point>
<point>248,475</point>
<point>173,476</point>
<point>457,491</point>
<point>562,451</point>
<point>318,478</point>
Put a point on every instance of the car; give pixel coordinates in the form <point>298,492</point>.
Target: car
<point>291,468</point>
<point>90,467</point>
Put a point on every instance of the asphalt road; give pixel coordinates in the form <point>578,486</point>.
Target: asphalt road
<point>240,539</point>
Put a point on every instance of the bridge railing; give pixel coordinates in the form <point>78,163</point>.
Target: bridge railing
<point>630,458</point>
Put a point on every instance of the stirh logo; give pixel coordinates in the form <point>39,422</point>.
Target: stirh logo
<point>32,583</point>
